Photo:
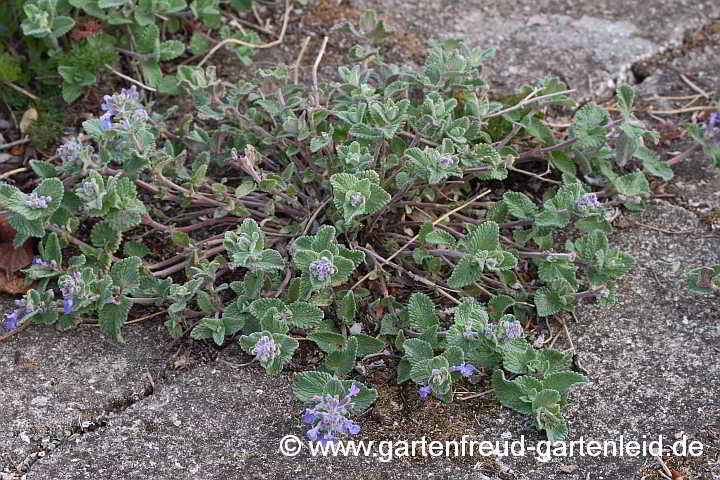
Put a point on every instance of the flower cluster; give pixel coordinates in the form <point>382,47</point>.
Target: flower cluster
<point>24,309</point>
<point>356,199</point>
<point>465,369</point>
<point>712,127</point>
<point>38,201</point>
<point>51,265</point>
<point>439,376</point>
<point>504,332</point>
<point>588,200</point>
<point>329,416</point>
<point>322,269</point>
<point>265,349</point>
<point>124,109</point>
<point>513,330</point>
<point>90,192</point>
<point>71,287</point>
<point>74,153</point>
<point>446,161</point>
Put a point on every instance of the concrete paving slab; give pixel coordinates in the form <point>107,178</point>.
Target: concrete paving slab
<point>590,45</point>
<point>54,384</point>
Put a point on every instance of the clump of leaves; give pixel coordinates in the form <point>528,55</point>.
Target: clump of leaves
<point>341,191</point>
<point>80,39</point>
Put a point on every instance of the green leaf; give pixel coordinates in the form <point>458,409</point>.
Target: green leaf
<point>632,184</point>
<point>368,345</point>
<point>417,350</point>
<point>509,393</point>
<point>546,399</point>
<point>52,251</point>
<point>347,309</point>
<point>343,361</point>
<point>365,397</point>
<point>516,356</point>
<point>125,273</point>
<point>557,431</point>
<point>198,44</point>
<point>653,164</point>
<point>625,97</point>
<point>403,371</point>
<point>421,312</point>
<point>466,271</point>
<point>305,315</point>
<point>112,317</point>
<point>441,237</point>
<point>61,26</point>
<point>135,249</point>
<point>105,237</point>
<point>70,92</point>
<point>548,302</point>
<point>171,49</point>
<point>590,127</point>
<point>43,169</point>
<point>520,206</point>
<point>328,341</point>
<point>483,237</point>
<point>563,381</point>
<point>307,385</point>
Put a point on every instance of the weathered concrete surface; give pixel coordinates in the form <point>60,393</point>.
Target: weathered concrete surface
<point>52,383</point>
<point>590,45</point>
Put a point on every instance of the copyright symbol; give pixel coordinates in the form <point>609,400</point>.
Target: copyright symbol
<point>290,445</point>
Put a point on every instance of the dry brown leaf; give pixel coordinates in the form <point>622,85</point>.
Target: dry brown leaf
<point>17,150</point>
<point>28,117</point>
<point>11,258</point>
<point>14,285</point>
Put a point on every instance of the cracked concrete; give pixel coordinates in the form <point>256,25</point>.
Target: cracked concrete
<point>76,406</point>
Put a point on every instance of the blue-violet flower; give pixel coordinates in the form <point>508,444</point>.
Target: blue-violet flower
<point>329,416</point>
<point>322,269</point>
<point>265,349</point>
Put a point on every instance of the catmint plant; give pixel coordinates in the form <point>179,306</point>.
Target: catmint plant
<point>360,215</point>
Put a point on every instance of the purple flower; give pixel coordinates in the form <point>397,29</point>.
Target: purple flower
<point>309,416</point>
<point>712,127</point>
<point>38,201</point>
<point>330,414</point>
<point>588,200</point>
<point>351,427</point>
<point>107,121</point>
<point>70,150</point>
<point>322,269</point>
<point>513,330</point>
<point>68,305</point>
<point>24,309</point>
<point>354,390</point>
<point>446,161</point>
<point>313,433</point>
<point>439,376</point>
<point>265,349</point>
<point>110,105</point>
<point>425,391</point>
<point>356,199</point>
<point>464,368</point>
<point>123,105</point>
<point>52,265</point>
<point>11,320</point>
<point>71,287</point>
